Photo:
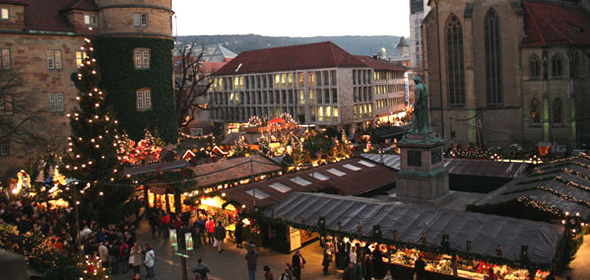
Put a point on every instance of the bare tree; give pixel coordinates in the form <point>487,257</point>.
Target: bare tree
<point>192,84</point>
<point>20,120</point>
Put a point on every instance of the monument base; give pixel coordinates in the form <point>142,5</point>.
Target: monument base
<point>422,175</point>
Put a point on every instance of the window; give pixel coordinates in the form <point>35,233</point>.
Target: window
<point>455,71</point>
<point>535,111</point>
<point>5,53</point>
<point>144,99</point>
<point>493,62</point>
<point>6,105</point>
<point>142,58</point>
<point>535,66</point>
<point>56,102</point>
<point>556,66</point>
<point>90,20</point>
<point>4,13</point>
<point>140,19</point>
<point>80,56</point>
<point>4,147</point>
<point>53,59</point>
<point>557,111</point>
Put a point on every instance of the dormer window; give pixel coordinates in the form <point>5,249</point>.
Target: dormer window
<point>91,20</point>
<point>4,14</point>
<point>140,19</point>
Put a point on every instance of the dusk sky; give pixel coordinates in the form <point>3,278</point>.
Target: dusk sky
<point>303,18</point>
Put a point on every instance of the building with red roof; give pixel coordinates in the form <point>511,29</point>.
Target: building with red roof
<point>318,83</point>
<point>504,72</point>
<point>41,40</point>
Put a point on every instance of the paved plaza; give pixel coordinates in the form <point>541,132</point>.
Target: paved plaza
<point>228,265</point>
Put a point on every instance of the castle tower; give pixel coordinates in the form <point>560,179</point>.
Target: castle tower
<point>134,51</point>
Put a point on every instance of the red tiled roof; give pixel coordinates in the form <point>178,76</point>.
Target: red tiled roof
<point>548,24</point>
<point>48,15</point>
<point>379,65</point>
<point>365,180</point>
<point>307,56</point>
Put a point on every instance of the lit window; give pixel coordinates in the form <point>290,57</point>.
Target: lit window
<point>53,59</point>
<point>80,56</point>
<point>5,53</point>
<point>142,58</point>
<point>4,13</point>
<point>6,105</point>
<point>4,147</point>
<point>56,102</point>
<point>144,99</point>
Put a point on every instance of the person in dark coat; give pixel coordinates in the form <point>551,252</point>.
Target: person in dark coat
<point>419,266</point>
<point>349,272</point>
<point>238,233</point>
<point>327,258</point>
<point>297,262</point>
<point>219,237</point>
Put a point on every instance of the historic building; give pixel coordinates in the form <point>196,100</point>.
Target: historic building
<point>40,42</point>
<point>503,72</point>
<point>317,83</point>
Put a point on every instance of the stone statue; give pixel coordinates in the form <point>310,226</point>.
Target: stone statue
<point>420,123</point>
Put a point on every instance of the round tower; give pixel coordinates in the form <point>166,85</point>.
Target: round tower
<point>134,52</point>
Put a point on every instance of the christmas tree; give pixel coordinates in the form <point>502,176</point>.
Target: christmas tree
<point>92,156</point>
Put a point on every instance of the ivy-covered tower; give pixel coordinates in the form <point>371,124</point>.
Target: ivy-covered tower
<point>134,52</point>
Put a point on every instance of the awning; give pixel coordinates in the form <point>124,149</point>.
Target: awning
<point>411,221</point>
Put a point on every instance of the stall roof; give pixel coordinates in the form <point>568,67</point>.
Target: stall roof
<point>459,166</point>
<point>350,177</point>
<point>232,169</point>
<point>410,221</point>
<point>151,168</point>
<point>562,184</point>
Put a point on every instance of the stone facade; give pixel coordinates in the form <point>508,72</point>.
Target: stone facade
<point>45,56</point>
<point>476,120</point>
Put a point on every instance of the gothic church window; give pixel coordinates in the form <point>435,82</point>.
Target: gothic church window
<point>535,111</point>
<point>455,61</point>
<point>556,66</point>
<point>557,111</point>
<point>535,66</point>
<point>493,59</point>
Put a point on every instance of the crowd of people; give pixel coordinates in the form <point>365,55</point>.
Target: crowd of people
<point>115,245</point>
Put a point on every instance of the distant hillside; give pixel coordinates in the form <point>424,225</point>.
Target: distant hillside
<point>361,45</point>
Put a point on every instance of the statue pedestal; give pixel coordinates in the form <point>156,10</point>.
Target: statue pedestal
<point>422,177</point>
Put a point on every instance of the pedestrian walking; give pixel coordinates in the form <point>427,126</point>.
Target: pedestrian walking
<point>238,233</point>
<point>165,224</point>
<point>298,263</point>
<point>419,266</point>
<point>201,269</point>
<point>251,259</point>
<point>135,258</point>
<point>124,257</point>
<point>149,262</point>
<point>267,273</point>
<point>219,237</point>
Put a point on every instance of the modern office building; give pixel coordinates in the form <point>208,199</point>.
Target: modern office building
<point>418,10</point>
<point>317,83</point>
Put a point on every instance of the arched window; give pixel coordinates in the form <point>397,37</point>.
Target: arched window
<point>557,111</point>
<point>535,66</point>
<point>575,65</point>
<point>493,58</point>
<point>556,66</point>
<point>535,111</point>
<point>455,70</point>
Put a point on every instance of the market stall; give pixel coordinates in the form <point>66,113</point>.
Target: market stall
<point>509,246</point>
